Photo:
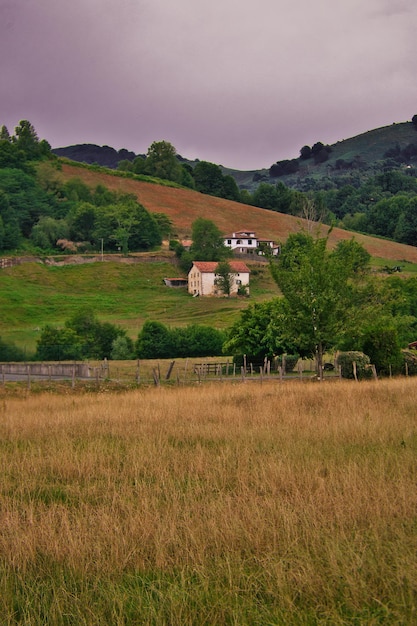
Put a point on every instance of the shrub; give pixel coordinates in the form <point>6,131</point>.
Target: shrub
<point>10,352</point>
<point>288,361</point>
<point>345,361</point>
<point>382,346</point>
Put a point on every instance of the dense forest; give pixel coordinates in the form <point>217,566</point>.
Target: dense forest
<point>38,213</point>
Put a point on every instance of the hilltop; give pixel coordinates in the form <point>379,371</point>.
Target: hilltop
<point>361,156</point>
<point>183,206</point>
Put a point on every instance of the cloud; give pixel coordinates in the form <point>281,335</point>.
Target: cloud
<point>239,83</point>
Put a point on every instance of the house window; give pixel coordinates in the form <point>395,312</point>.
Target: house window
<point>249,242</point>
<point>238,282</point>
<point>238,241</point>
<point>229,242</point>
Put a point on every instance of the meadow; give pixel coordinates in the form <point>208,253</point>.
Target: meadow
<point>223,503</point>
<point>124,291</point>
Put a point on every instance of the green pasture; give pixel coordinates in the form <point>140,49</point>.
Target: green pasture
<point>33,295</point>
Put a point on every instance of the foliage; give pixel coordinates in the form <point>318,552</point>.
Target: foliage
<point>10,352</point>
<point>381,344</point>
<point>320,301</point>
<point>260,332</point>
<point>161,161</point>
<point>36,206</point>
<point>154,341</point>
<point>157,341</point>
<point>208,242</point>
<point>83,337</point>
<point>126,225</point>
<point>288,361</point>
<point>122,348</point>
<point>224,278</point>
<point>58,344</point>
<point>210,179</point>
<point>345,361</point>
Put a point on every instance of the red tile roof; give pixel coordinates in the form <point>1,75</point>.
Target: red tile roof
<point>211,266</point>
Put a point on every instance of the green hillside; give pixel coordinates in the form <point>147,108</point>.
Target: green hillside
<point>33,295</point>
<point>363,155</point>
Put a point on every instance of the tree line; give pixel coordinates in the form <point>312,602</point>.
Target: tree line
<point>36,209</point>
<point>39,213</point>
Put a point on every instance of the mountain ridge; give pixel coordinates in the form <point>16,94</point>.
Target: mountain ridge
<point>371,152</point>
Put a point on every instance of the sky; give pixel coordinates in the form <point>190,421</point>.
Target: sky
<point>235,82</point>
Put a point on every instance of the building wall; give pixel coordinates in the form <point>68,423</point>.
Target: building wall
<point>203,282</point>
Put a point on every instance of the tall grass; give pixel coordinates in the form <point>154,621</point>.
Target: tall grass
<point>216,504</point>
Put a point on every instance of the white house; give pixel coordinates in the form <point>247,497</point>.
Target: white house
<point>202,276</point>
<point>246,242</point>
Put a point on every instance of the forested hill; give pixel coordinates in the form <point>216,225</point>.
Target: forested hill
<point>350,160</point>
<point>183,206</point>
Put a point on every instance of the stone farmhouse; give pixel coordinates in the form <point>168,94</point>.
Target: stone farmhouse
<point>202,276</point>
<point>246,242</point>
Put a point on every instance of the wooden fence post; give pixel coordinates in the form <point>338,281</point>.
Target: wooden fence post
<point>171,366</point>
<point>155,376</point>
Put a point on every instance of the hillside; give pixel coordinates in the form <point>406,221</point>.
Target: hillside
<point>364,154</point>
<point>183,206</point>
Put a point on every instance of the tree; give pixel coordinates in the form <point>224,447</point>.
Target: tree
<point>26,139</point>
<point>10,352</point>
<point>161,161</point>
<point>154,341</point>
<point>47,231</point>
<point>318,286</point>
<point>381,344</point>
<point>260,332</point>
<point>4,134</point>
<point>208,178</point>
<point>96,338</point>
<point>208,242</point>
<point>82,222</point>
<point>224,277</point>
<point>126,225</point>
<point>305,153</point>
<point>122,349</point>
<point>58,344</point>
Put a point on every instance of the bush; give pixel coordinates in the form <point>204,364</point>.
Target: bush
<point>345,361</point>
<point>382,346</point>
<point>288,361</point>
<point>256,360</point>
<point>10,352</point>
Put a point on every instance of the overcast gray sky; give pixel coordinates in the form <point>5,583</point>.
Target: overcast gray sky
<point>235,82</point>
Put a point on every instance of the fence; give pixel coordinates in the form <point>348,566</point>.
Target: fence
<point>17,372</point>
<point>128,373</point>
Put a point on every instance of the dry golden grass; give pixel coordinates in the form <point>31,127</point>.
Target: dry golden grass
<point>224,503</point>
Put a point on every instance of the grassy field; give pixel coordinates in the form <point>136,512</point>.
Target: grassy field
<point>217,504</point>
<point>33,295</point>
